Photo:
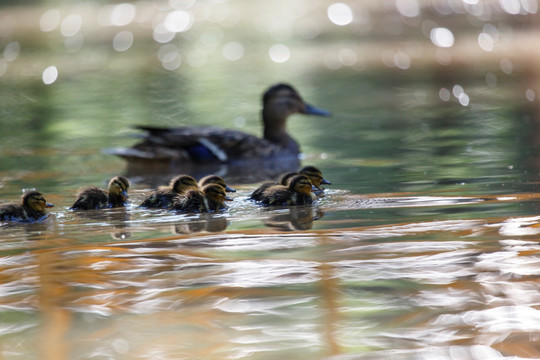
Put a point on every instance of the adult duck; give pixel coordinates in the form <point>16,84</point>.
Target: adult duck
<point>211,144</point>
<point>30,209</point>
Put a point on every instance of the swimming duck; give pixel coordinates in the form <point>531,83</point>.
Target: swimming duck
<point>215,179</point>
<point>211,144</point>
<point>211,197</point>
<point>162,198</point>
<point>31,208</point>
<point>314,174</point>
<point>93,197</point>
<point>297,192</point>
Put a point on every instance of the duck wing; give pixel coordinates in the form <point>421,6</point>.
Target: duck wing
<point>200,143</point>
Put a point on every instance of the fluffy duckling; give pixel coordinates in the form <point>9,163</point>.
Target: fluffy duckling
<point>31,208</point>
<point>162,198</point>
<point>212,144</point>
<point>314,174</point>
<point>297,192</point>
<point>93,197</point>
<point>215,179</point>
<point>258,193</point>
<point>211,197</point>
<point>316,177</point>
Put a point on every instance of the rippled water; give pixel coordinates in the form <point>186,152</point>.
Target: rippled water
<point>425,246</point>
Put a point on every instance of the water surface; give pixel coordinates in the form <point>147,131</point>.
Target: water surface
<point>425,246</point>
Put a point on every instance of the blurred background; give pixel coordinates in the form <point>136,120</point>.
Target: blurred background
<point>425,246</point>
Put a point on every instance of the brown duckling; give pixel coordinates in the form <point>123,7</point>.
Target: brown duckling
<point>31,208</point>
<point>297,192</point>
<point>162,198</point>
<point>93,197</point>
<point>211,197</point>
<point>215,179</point>
<point>314,174</point>
<point>258,193</point>
<point>213,144</point>
<point>316,177</point>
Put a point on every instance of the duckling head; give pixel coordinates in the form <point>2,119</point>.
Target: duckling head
<point>182,183</point>
<point>216,193</point>
<point>118,186</point>
<point>315,175</point>
<point>300,184</point>
<point>285,178</point>
<point>35,201</point>
<point>215,179</point>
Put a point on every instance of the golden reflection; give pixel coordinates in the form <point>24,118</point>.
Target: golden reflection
<point>294,218</point>
<point>205,222</point>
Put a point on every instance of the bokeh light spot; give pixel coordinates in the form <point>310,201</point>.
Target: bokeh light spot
<point>408,8</point>
<point>71,25</point>
<point>11,51</point>
<point>123,41</point>
<point>486,42</point>
<point>340,14</point>
<point>444,94</point>
<point>50,75</point>
<point>279,53</point>
<point>49,20</point>
<point>442,37</point>
<point>178,21</point>
<point>530,95</point>
<point>123,14</point>
<point>233,51</point>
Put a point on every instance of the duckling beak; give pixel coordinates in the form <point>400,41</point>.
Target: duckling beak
<point>326,182</point>
<point>229,189</point>
<point>49,205</point>
<point>313,110</point>
<point>228,198</point>
<point>124,194</point>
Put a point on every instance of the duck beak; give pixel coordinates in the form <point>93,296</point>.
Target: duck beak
<point>326,182</point>
<point>229,189</point>
<point>49,205</point>
<point>313,110</point>
<point>228,198</point>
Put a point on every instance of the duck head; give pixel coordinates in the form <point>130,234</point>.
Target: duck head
<point>315,175</point>
<point>35,201</point>
<point>279,102</point>
<point>215,179</point>
<point>300,184</point>
<point>118,187</point>
<point>216,194</point>
<point>182,183</point>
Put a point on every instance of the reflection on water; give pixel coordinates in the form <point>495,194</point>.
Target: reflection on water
<point>425,247</point>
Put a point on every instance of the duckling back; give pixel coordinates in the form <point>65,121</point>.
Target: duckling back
<point>257,195</point>
<point>193,201</point>
<point>91,198</point>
